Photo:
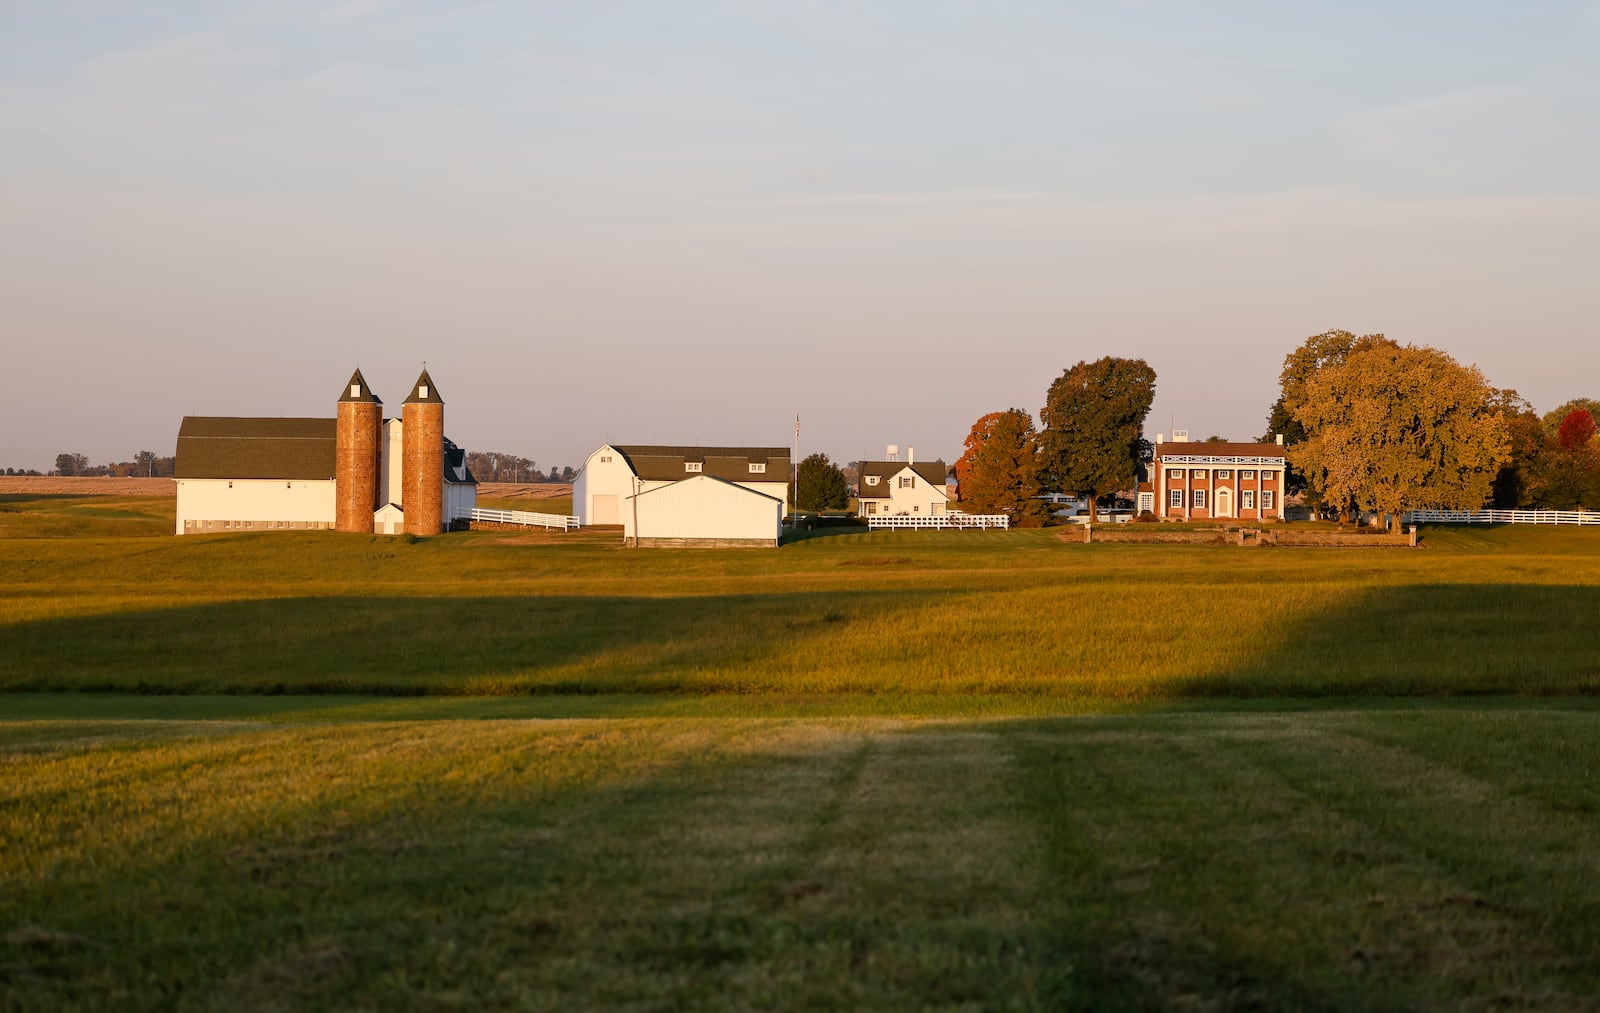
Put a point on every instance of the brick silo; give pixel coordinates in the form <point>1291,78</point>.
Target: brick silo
<point>422,454</point>
<point>356,460</point>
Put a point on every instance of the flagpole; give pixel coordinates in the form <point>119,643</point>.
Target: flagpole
<point>794,514</point>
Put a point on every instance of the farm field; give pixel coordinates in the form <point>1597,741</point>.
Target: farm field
<point>978,770</point>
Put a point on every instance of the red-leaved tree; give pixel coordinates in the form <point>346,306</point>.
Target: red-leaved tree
<point>1576,430</point>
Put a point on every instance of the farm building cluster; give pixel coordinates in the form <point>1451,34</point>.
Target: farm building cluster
<point>362,472</point>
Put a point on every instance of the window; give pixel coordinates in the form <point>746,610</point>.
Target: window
<point>906,481</point>
<point>1247,473</point>
<point>691,466</point>
<point>872,479</point>
<point>1266,499</point>
<point>1197,474</point>
<point>605,460</point>
<point>1147,502</point>
<point>1175,498</point>
<point>355,390</point>
<point>422,391</point>
<point>1267,476</point>
<point>1247,500</point>
<point>872,506</point>
<point>758,469</point>
<point>1174,473</point>
<point>1224,474</point>
<point>1199,499</point>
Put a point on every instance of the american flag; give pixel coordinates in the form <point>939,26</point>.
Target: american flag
<point>797,425</point>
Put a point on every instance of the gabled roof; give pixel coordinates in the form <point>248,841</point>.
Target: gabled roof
<point>358,391</point>
<point>666,464</point>
<point>1219,450</point>
<point>932,472</point>
<point>227,447</point>
<point>424,391</point>
<point>681,487</point>
<point>455,465</point>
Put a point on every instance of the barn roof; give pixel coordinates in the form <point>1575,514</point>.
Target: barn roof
<point>226,447</point>
<point>666,464</point>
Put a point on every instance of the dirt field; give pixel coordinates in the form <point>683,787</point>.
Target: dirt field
<point>49,485</point>
<point>531,490</point>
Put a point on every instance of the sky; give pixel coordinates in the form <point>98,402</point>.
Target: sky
<point>687,222</point>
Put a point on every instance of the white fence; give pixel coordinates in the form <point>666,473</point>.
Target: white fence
<point>1502,517</point>
<point>526,518</point>
<point>942,521</point>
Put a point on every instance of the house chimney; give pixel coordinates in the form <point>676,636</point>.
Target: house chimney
<point>1160,438</point>
<point>1280,439</point>
<point>911,455</point>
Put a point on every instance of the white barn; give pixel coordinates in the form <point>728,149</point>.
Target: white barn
<point>263,474</point>
<point>615,472</point>
<point>702,511</point>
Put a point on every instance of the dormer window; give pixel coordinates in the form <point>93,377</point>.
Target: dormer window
<point>872,479</point>
<point>691,466</point>
<point>758,469</point>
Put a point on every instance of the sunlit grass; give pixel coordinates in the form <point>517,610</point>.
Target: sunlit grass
<point>1022,613</point>
<point>1414,857</point>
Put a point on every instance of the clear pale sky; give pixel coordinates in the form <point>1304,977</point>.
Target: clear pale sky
<point>676,222</point>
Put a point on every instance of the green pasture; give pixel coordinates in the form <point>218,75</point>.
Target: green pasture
<point>889,770</point>
<point>97,596</point>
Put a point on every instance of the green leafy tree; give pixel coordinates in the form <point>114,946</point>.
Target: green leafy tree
<point>1517,483</point>
<point>1568,473</point>
<point>71,464</point>
<point>1394,428</point>
<point>822,485</point>
<point>1556,416</point>
<point>998,473</point>
<point>1094,413</point>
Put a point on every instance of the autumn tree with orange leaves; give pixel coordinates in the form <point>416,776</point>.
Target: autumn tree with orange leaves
<point>998,473</point>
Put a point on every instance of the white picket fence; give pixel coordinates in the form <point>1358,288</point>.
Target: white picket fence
<point>526,518</point>
<point>1502,517</point>
<point>940,521</point>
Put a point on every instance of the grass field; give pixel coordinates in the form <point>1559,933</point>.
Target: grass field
<point>975,770</point>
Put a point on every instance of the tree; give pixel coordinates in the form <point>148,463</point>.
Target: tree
<point>1317,351</point>
<point>71,464</point>
<point>998,473</point>
<point>1568,473</point>
<point>145,461</point>
<point>821,485</point>
<point>1576,430</point>
<point>567,474</point>
<point>1395,428</point>
<point>1518,481</point>
<point>1093,415</point>
<point>1558,415</point>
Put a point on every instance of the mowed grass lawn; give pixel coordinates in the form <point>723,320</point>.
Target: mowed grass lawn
<point>977,770</point>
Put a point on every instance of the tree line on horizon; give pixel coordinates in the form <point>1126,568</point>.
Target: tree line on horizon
<point>486,466</point>
<point>1369,425</point>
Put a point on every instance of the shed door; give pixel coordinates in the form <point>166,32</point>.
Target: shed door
<point>605,510</point>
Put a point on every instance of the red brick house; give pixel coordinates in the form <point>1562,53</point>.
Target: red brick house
<point>1214,481</point>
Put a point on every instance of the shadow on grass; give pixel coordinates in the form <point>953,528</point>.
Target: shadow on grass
<point>414,646</point>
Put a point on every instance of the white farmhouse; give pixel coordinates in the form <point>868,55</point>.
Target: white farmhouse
<point>890,488</point>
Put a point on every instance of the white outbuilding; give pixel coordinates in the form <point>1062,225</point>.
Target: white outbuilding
<point>702,511</point>
<point>616,472</point>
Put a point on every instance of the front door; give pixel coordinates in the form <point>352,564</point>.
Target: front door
<point>1224,503</point>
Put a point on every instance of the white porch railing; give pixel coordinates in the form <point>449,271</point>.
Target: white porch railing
<point>527,518</point>
<point>1502,517</point>
<point>942,521</point>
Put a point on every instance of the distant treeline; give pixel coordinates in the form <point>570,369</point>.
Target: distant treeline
<point>145,464</point>
<point>494,466</point>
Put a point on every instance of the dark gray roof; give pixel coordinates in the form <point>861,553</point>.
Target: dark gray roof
<point>424,391</point>
<point>223,447</point>
<point>932,472</point>
<point>666,464</point>
<point>1219,450</point>
<point>363,393</point>
<point>304,449</point>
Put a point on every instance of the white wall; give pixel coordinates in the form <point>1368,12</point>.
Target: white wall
<point>703,508</point>
<point>389,472</point>
<point>243,499</point>
<point>602,477</point>
<point>459,499</point>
